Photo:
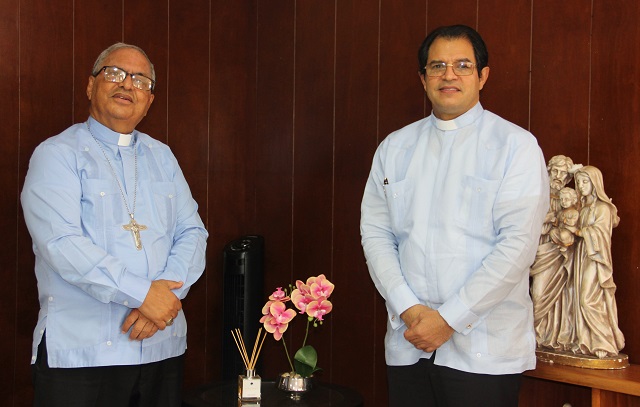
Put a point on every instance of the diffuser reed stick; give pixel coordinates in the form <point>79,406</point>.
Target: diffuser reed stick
<point>249,362</point>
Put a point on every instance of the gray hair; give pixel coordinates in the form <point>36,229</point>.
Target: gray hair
<point>119,45</point>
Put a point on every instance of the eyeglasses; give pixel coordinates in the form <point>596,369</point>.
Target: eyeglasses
<point>118,75</point>
<point>460,68</point>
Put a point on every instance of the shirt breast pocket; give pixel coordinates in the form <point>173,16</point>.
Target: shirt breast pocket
<point>475,210</point>
<point>164,197</point>
<point>100,203</point>
<point>398,196</point>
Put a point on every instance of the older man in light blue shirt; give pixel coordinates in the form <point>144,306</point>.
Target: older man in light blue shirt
<point>451,217</point>
<point>118,243</point>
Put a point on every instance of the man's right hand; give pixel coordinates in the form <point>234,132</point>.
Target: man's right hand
<point>161,305</point>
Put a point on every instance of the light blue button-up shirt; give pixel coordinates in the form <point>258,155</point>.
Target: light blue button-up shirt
<point>451,217</point>
<point>90,274</point>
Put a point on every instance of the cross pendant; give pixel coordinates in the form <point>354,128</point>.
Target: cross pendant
<point>135,228</point>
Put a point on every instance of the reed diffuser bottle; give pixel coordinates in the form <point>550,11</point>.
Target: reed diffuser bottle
<point>249,383</point>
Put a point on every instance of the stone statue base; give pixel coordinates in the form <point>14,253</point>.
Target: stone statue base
<point>590,362</point>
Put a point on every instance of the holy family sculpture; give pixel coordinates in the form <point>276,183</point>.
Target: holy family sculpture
<point>572,286</point>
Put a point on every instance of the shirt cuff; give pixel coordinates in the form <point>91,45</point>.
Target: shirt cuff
<point>133,291</point>
<point>458,315</point>
<point>400,299</point>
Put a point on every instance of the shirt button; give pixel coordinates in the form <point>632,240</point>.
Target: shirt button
<point>395,195</point>
<point>102,194</point>
<point>469,326</point>
<point>50,298</point>
<point>126,303</point>
<point>170,196</point>
<point>86,149</point>
<point>108,343</point>
<point>478,355</point>
<point>393,317</point>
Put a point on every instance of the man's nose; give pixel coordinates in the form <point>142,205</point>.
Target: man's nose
<point>127,83</point>
<point>448,73</point>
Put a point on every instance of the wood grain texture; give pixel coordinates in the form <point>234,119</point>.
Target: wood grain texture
<point>10,221</point>
<point>274,110</point>
<point>358,323</point>
<point>274,160</point>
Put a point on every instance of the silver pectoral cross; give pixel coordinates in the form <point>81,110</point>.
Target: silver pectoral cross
<point>135,229</point>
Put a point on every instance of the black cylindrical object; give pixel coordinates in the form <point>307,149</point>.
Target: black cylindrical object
<point>243,279</point>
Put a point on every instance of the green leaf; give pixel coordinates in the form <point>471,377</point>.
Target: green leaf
<point>305,361</point>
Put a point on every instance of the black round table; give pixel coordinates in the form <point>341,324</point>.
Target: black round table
<point>225,394</point>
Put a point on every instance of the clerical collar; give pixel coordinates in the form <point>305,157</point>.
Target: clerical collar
<point>125,140</point>
<point>108,136</point>
<point>461,121</point>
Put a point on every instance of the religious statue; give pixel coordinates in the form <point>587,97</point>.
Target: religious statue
<point>597,318</point>
<point>572,284</point>
<point>552,270</point>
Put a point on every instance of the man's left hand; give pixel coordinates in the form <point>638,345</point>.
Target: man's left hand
<point>426,329</point>
<point>141,326</point>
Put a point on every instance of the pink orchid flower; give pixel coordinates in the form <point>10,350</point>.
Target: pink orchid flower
<point>319,308</point>
<point>321,287</point>
<point>279,295</point>
<point>304,288</point>
<point>300,299</point>
<point>276,319</point>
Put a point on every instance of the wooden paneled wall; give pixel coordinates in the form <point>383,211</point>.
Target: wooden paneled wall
<point>274,109</point>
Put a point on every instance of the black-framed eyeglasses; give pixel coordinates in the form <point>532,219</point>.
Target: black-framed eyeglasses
<point>460,68</point>
<point>118,75</point>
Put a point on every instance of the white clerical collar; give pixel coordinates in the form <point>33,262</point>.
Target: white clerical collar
<point>461,121</point>
<point>446,124</point>
<point>125,140</point>
<point>108,136</point>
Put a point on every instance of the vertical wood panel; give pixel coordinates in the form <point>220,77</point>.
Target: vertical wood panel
<point>358,330</point>
<point>461,12</point>
<point>614,146</point>
<point>401,97</point>
<point>187,113</point>
<point>9,130</point>
<point>232,131</point>
<point>274,153</point>
<point>313,162</point>
<point>313,139</point>
<point>507,91</point>
<point>560,110</point>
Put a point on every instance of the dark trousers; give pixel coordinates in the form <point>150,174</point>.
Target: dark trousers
<point>429,385</point>
<point>156,384</point>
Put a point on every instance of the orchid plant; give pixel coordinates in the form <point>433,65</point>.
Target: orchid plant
<point>310,298</point>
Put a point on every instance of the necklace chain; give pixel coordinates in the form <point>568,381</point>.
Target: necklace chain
<point>135,184</point>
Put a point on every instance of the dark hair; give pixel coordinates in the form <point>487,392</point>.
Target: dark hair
<point>454,32</point>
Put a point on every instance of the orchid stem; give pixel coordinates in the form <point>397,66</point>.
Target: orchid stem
<point>287,353</point>
<point>306,332</point>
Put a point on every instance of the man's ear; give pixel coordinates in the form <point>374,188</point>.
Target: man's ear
<point>423,79</point>
<point>92,79</point>
<point>484,75</point>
